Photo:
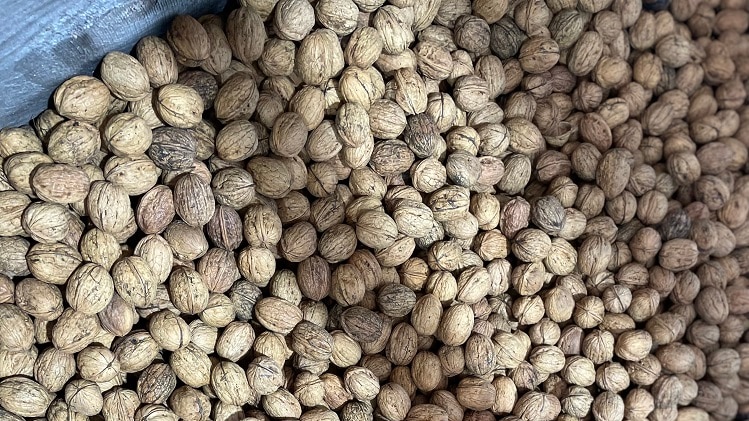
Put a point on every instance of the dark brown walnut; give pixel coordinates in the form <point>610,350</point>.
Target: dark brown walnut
<point>548,214</point>
<point>463,169</point>
<point>233,187</point>
<point>244,295</point>
<point>173,149</point>
<point>391,157</point>
<point>156,383</point>
<point>203,83</point>
<point>676,224</point>
<point>506,38</point>
<point>567,26</point>
<point>421,135</point>
<point>312,341</point>
<point>225,228</point>
<point>396,300</point>
<point>362,324</point>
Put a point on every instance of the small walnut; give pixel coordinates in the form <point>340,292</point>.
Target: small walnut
<point>277,315</point>
<point>237,141</point>
<point>456,325</point>
<point>293,19</point>
<point>271,175</point>
<point>298,242</point>
<point>155,210</point>
<point>89,288</point>
<point>361,85</point>
<point>337,243</point>
<point>15,140</point>
<point>539,54</point>
<point>84,396</point>
<point>678,254</point>
<point>127,134</point>
<point>463,169</point>
<point>193,200</point>
<point>60,183</point>
<point>391,157</point>
<point>387,120</point>
<point>471,93</point>
<point>134,281</point>
<point>171,332</point>
<point>264,375</point>
<point>74,331</point>
<point>598,346</point>
<point>309,102</point>
<point>608,406</point>
<point>134,174</point>
<point>711,305</point>
<point>434,61</point>
<point>361,324</point>
<point>538,405</point>
<point>46,222</point>
<point>289,134</point>
<point>567,26</point>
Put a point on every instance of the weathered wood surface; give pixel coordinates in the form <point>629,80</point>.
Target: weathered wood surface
<point>42,43</point>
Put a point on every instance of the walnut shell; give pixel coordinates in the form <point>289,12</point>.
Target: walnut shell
<point>189,40</point>
<point>82,98</point>
<point>125,77</point>
<point>24,397</point>
<point>179,105</point>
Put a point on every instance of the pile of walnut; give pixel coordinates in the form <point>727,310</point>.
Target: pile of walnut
<point>423,210</point>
